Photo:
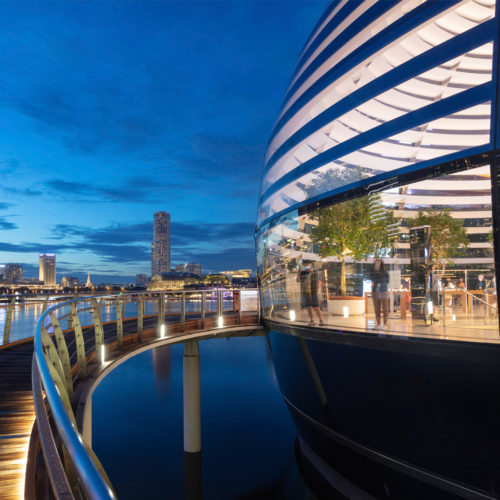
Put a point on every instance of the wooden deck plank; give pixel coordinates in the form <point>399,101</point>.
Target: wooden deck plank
<point>16,417</point>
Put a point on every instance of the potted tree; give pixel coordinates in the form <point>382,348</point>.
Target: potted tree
<point>358,228</point>
<point>448,235</point>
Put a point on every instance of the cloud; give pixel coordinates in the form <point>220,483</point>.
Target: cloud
<point>4,206</point>
<point>22,192</point>
<point>6,225</point>
<point>134,189</point>
<point>216,245</point>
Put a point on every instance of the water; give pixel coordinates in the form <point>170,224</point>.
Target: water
<point>26,315</point>
<point>247,433</point>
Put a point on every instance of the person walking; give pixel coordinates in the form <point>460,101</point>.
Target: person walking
<point>309,284</point>
<point>380,293</point>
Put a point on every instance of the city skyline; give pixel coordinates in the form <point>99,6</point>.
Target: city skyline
<point>98,132</point>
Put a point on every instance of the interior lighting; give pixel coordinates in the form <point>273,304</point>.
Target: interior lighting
<point>453,317</point>
<point>430,307</point>
<point>292,315</point>
<point>221,321</point>
<point>102,354</point>
<point>346,311</point>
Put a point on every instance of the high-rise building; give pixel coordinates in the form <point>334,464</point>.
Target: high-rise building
<point>10,273</point>
<point>14,272</point>
<point>193,268</point>
<point>69,281</point>
<point>47,272</point>
<point>141,279</point>
<point>160,247</point>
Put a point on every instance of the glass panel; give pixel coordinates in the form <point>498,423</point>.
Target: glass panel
<point>416,259</point>
<point>457,75</point>
<point>450,134</point>
<point>455,21</point>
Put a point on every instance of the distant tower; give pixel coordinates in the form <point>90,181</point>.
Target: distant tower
<point>160,247</point>
<point>88,283</point>
<point>47,270</point>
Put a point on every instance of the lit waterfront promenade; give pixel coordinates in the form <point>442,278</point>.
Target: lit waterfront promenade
<point>85,352</point>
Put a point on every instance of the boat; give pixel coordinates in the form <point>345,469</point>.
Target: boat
<point>383,165</point>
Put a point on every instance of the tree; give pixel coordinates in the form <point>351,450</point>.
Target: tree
<point>448,235</point>
<point>353,228</point>
<point>361,228</point>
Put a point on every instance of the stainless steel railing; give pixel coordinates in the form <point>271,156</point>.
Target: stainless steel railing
<point>63,356</point>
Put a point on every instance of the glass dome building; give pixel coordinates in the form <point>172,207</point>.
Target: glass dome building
<point>377,242</point>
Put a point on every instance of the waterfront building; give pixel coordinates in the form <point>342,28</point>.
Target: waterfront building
<point>385,154</point>
<point>13,273</point>
<point>141,279</point>
<point>180,268</point>
<point>160,247</point>
<point>10,273</point>
<point>194,268</point>
<point>172,281</point>
<point>69,282</point>
<point>240,273</point>
<point>47,269</point>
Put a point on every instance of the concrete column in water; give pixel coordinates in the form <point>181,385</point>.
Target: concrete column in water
<point>192,396</point>
<point>192,421</point>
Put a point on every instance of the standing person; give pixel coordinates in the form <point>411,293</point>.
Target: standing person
<point>436,288</point>
<point>380,292</point>
<point>309,284</point>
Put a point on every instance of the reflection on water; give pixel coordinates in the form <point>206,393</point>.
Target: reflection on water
<point>26,314</point>
<point>247,434</point>
<point>162,363</point>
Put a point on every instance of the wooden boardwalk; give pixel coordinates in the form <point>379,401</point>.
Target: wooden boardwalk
<point>17,415</point>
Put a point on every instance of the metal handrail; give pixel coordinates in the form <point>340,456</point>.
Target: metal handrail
<point>55,373</point>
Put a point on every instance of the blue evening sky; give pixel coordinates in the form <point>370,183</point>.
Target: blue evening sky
<point>110,111</point>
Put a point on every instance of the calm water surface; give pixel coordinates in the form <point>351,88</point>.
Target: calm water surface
<point>26,315</point>
<point>247,433</point>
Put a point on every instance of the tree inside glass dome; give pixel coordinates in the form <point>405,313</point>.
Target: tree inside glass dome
<point>358,228</point>
<point>448,235</point>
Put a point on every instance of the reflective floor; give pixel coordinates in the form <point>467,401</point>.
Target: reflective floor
<point>453,325</point>
<point>247,433</point>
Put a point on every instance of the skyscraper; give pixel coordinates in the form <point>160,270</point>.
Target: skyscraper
<point>47,272</point>
<point>160,247</point>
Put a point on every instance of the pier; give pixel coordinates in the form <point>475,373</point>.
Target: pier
<point>72,358</point>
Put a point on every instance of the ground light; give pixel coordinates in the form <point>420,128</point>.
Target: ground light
<point>346,311</point>
<point>292,315</point>
<point>221,321</point>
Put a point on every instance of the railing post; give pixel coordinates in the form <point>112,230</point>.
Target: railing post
<point>220,304</point>
<point>183,312</point>
<point>98,331</point>
<point>80,343</point>
<point>62,351</point>
<point>161,314</point>
<point>119,322</point>
<point>203,309</point>
<point>444,307</point>
<point>240,308</point>
<point>45,304</point>
<point>486,304</point>
<point>8,320</point>
<point>140,316</point>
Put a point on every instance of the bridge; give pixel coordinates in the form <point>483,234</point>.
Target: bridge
<point>46,383</point>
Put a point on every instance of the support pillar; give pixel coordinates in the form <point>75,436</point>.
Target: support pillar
<point>192,397</point>
<point>192,422</point>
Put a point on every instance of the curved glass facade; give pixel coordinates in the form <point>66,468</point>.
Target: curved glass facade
<point>378,204</point>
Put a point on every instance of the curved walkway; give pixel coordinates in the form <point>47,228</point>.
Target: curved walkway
<point>17,415</point>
